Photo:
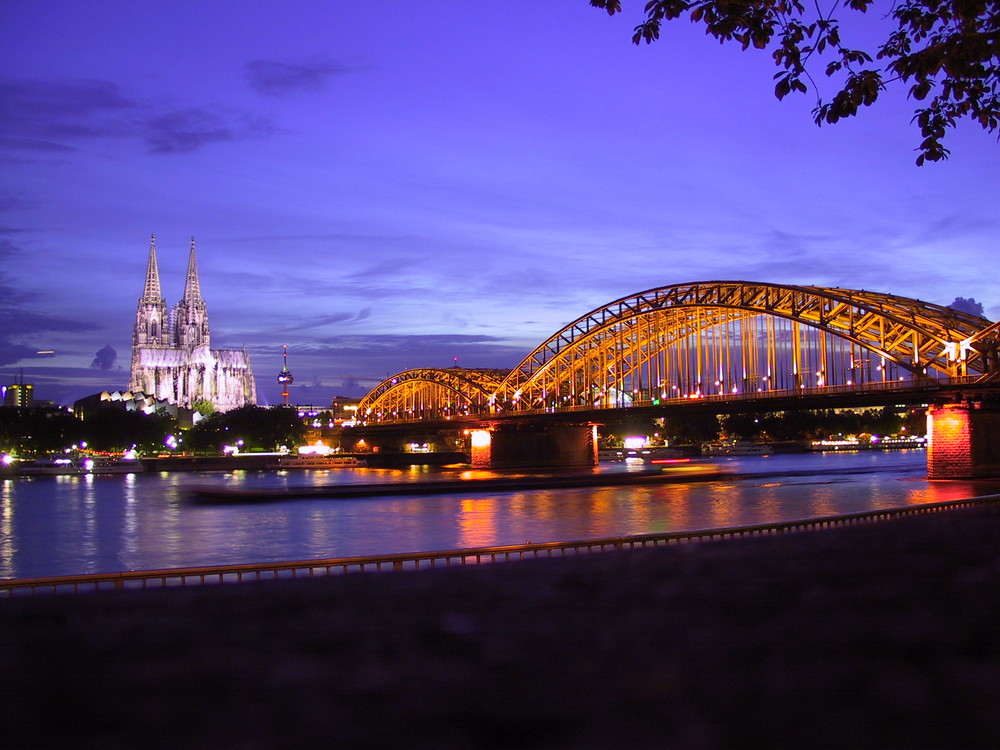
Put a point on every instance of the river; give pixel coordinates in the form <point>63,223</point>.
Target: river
<point>100,524</point>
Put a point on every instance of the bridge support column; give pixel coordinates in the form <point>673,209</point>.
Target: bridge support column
<point>963,441</point>
<point>525,447</point>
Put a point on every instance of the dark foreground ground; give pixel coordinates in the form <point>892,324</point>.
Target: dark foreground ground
<point>883,636</point>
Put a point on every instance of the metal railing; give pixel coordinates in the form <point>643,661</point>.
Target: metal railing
<point>216,574</point>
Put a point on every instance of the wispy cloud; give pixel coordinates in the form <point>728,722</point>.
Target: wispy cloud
<point>11,296</point>
<point>8,249</point>
<point>16,321</point>
<point>188,129</point>
<point>39,145</point>
<point>278,78</point>
<point>27,321</point>
<point>43,115</point>
<point>327,320</point>
<point>366,355</point>
<point>57,116</point>
<point>11,202</point>
<point>11,352</point>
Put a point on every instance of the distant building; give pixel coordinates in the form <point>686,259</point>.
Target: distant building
<point>344,408</point>
<point>86,407</point>
<point>20,395</point>
<point>129,401</point>
<point>172,359</point>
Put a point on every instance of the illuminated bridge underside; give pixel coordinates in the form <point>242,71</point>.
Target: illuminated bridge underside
<point>711,339</point>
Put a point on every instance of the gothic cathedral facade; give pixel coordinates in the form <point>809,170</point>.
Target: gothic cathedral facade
<point>171,354</point>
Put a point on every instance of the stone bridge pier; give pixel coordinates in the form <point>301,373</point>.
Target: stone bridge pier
<point>963,439</point>
<point>524,446</point>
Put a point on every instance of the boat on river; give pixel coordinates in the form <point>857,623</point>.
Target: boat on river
<point>657,454</point>
<point>65,466</point>
<point>49,466</point>
<point>312,461</point>
<point>120,465</point>
<point>872,444</point>
<point>737,448</point>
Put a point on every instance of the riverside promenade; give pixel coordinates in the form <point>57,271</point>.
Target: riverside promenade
<point>883,635</point>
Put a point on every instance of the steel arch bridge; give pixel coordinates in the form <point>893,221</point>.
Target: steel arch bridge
<point>719,339</point>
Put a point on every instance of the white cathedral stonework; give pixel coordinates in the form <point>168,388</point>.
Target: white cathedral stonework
<point>171,355</point>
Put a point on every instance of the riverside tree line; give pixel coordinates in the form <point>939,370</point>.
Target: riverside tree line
<point>253,428</point>
<point>114,429</point>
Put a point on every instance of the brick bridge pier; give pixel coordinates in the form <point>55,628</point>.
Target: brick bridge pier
<point>505,446</point>
<point>963,439</point>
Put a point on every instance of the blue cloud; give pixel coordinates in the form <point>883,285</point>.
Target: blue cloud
<point>188,129</point>
<point>54,116</point>
<point>277,78</point>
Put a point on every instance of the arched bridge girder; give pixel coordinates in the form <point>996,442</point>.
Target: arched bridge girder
<point>917,336</point>
<point>596,365</point>
<point>694,351</point>
<point>428,391</point>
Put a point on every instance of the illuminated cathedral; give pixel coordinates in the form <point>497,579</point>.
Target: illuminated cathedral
<point>171,354</point>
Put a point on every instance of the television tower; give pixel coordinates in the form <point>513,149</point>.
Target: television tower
<point>285,377</point>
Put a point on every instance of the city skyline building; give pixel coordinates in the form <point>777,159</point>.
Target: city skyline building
<point>172,358</point>
<point>19,394</point>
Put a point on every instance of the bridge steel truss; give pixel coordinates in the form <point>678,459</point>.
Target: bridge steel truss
<point>431,393</point>
<point>715,338</point>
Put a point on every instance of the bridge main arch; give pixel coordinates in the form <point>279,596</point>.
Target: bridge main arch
<point>714,338</point>
<point>722,337</point>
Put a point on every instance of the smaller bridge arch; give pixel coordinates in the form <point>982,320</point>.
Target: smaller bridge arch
<point>431,393</point>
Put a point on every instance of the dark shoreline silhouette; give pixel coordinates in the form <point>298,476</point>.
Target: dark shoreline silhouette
<point>883,635</point>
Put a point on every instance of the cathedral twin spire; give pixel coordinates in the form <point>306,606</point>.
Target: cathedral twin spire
<point>188,323</point>
<point>152,290</point>
<point>192,287</point>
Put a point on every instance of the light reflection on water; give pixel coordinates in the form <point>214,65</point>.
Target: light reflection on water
<point>67,525</point>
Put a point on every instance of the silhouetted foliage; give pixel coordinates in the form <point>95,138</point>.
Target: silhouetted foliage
<point>38,430</point>
<point>260,429</point>
<point>815,425</point>
<point>41,431</point>
<point>684,428</point>
<point>677,428</point>
<point>967,306</point>
<point>947,50</point>
<point>205,408</point>
<point>116,429</point>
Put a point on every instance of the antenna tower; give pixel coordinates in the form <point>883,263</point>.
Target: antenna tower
<point>285,377</point>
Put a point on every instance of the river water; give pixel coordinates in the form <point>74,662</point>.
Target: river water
<point>101,524</point>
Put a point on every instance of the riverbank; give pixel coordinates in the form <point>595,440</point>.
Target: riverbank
<point>879,636</point>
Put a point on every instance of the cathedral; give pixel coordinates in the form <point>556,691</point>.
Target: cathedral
<point>172,359</point>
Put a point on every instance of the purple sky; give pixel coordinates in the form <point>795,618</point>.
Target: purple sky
<point>390,185</point>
